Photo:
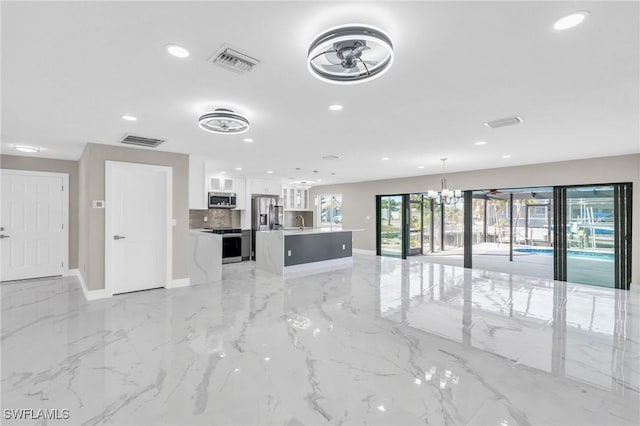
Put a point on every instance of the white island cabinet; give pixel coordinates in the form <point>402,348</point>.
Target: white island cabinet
<point>205,257</point>
<point>296,250</point>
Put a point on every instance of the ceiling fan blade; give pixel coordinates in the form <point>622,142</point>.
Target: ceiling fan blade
<point>333,68</point>
<point>365,66</point>
<point>332,57</point>
<point>358,50</point>
<point>320,54</point>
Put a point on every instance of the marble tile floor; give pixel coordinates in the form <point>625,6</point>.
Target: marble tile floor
<point>386,341</point>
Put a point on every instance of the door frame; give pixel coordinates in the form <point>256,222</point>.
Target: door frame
<point>65,206</point>
<point>110,166</point>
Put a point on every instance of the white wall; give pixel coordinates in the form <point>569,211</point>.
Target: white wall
<point>358,199</point>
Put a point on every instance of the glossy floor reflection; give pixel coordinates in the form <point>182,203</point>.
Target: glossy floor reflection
<point>386,341</point>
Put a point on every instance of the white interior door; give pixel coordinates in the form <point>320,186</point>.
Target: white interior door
<point>34,233</point>
<point>138,212</point>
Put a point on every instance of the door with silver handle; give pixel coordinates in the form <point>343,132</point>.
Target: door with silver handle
<point>118,237</point>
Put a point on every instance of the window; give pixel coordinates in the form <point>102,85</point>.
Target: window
<point>330,211</point>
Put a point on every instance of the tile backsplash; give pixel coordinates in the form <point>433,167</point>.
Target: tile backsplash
<point>216,218</point>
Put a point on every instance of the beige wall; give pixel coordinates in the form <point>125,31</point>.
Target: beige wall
<point>16,162</point>
<point>92,221</point>
<point>358,199</point>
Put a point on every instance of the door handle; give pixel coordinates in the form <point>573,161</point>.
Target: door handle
<point>4,236</point>
<point>118,237</point>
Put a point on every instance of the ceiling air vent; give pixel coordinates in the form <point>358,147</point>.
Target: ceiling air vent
<point>140,141</point>
<point>233,60</point>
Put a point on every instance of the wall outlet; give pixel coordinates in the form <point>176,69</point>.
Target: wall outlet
<point>206,218</point>
<point>97,204</point>
<point>344,247</point>
<point>289,253</point>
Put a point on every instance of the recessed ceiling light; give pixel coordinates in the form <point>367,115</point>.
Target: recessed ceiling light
<point>571,20</point>
<point>247,140</point>
<point>480,143</point>
<point>239,168</point>
<point>331,157</point>
<point>224,121</point>
<point>270,172</point>
<point>421,167</point>
<point>384,158</point>
<point>177,51</point>
<point>336,107</point>
<point>350,54</point>
<point>26,148</point>
<point>506,156</point>
<point>129,118</point>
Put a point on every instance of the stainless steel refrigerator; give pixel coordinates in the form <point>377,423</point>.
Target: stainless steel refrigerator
<point>265,216</point>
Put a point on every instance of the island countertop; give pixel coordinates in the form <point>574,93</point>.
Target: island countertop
<point>305,231</point>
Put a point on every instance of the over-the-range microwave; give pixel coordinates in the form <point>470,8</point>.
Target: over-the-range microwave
<point>222,200</point>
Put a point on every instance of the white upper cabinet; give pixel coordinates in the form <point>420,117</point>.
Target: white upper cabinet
<point>295,198</point>
<point>221,184</point>
<point>197,183</point>
<point>265,187</point>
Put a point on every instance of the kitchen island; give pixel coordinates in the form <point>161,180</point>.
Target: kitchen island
<point>205,256</point>
<point>292,250</point>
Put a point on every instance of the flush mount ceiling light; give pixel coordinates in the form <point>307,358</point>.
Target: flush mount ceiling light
<point>571,20</point>
<point>330,157</point>
<point>177,51</point>
<point>129,118</point>
<point>350,54</point>
<point>223,121</point>
<point>335,107</point>
<point>26,148</point>
<point>502,122</point>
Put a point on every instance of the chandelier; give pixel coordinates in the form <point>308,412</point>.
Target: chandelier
<point>445,195</point>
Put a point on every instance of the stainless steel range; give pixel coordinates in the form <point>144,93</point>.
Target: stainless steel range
<point>231,244</point>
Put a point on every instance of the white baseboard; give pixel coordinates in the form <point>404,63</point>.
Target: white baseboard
<point>363,251</point>
<point>89,294</point>
<point>180,282</point>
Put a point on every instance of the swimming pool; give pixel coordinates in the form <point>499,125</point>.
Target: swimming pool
<point>571,253</point>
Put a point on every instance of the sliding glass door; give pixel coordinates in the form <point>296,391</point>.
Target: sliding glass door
<point>590,235</point>
<point>416,223</point>
<point>593,234</point>
<point>390,214</point>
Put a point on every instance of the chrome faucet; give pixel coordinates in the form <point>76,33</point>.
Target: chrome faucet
<point>301,220</point>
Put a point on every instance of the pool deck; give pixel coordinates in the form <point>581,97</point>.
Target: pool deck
<point>495,257</point>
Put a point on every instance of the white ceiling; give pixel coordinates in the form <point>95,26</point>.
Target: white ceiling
<point>70,70</point>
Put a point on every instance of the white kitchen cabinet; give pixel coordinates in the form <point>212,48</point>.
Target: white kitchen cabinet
<point>197,183</point>
<point>295,198</point>
<point>240,185</point>
<point>221,184</point>
<point>265,187</point>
